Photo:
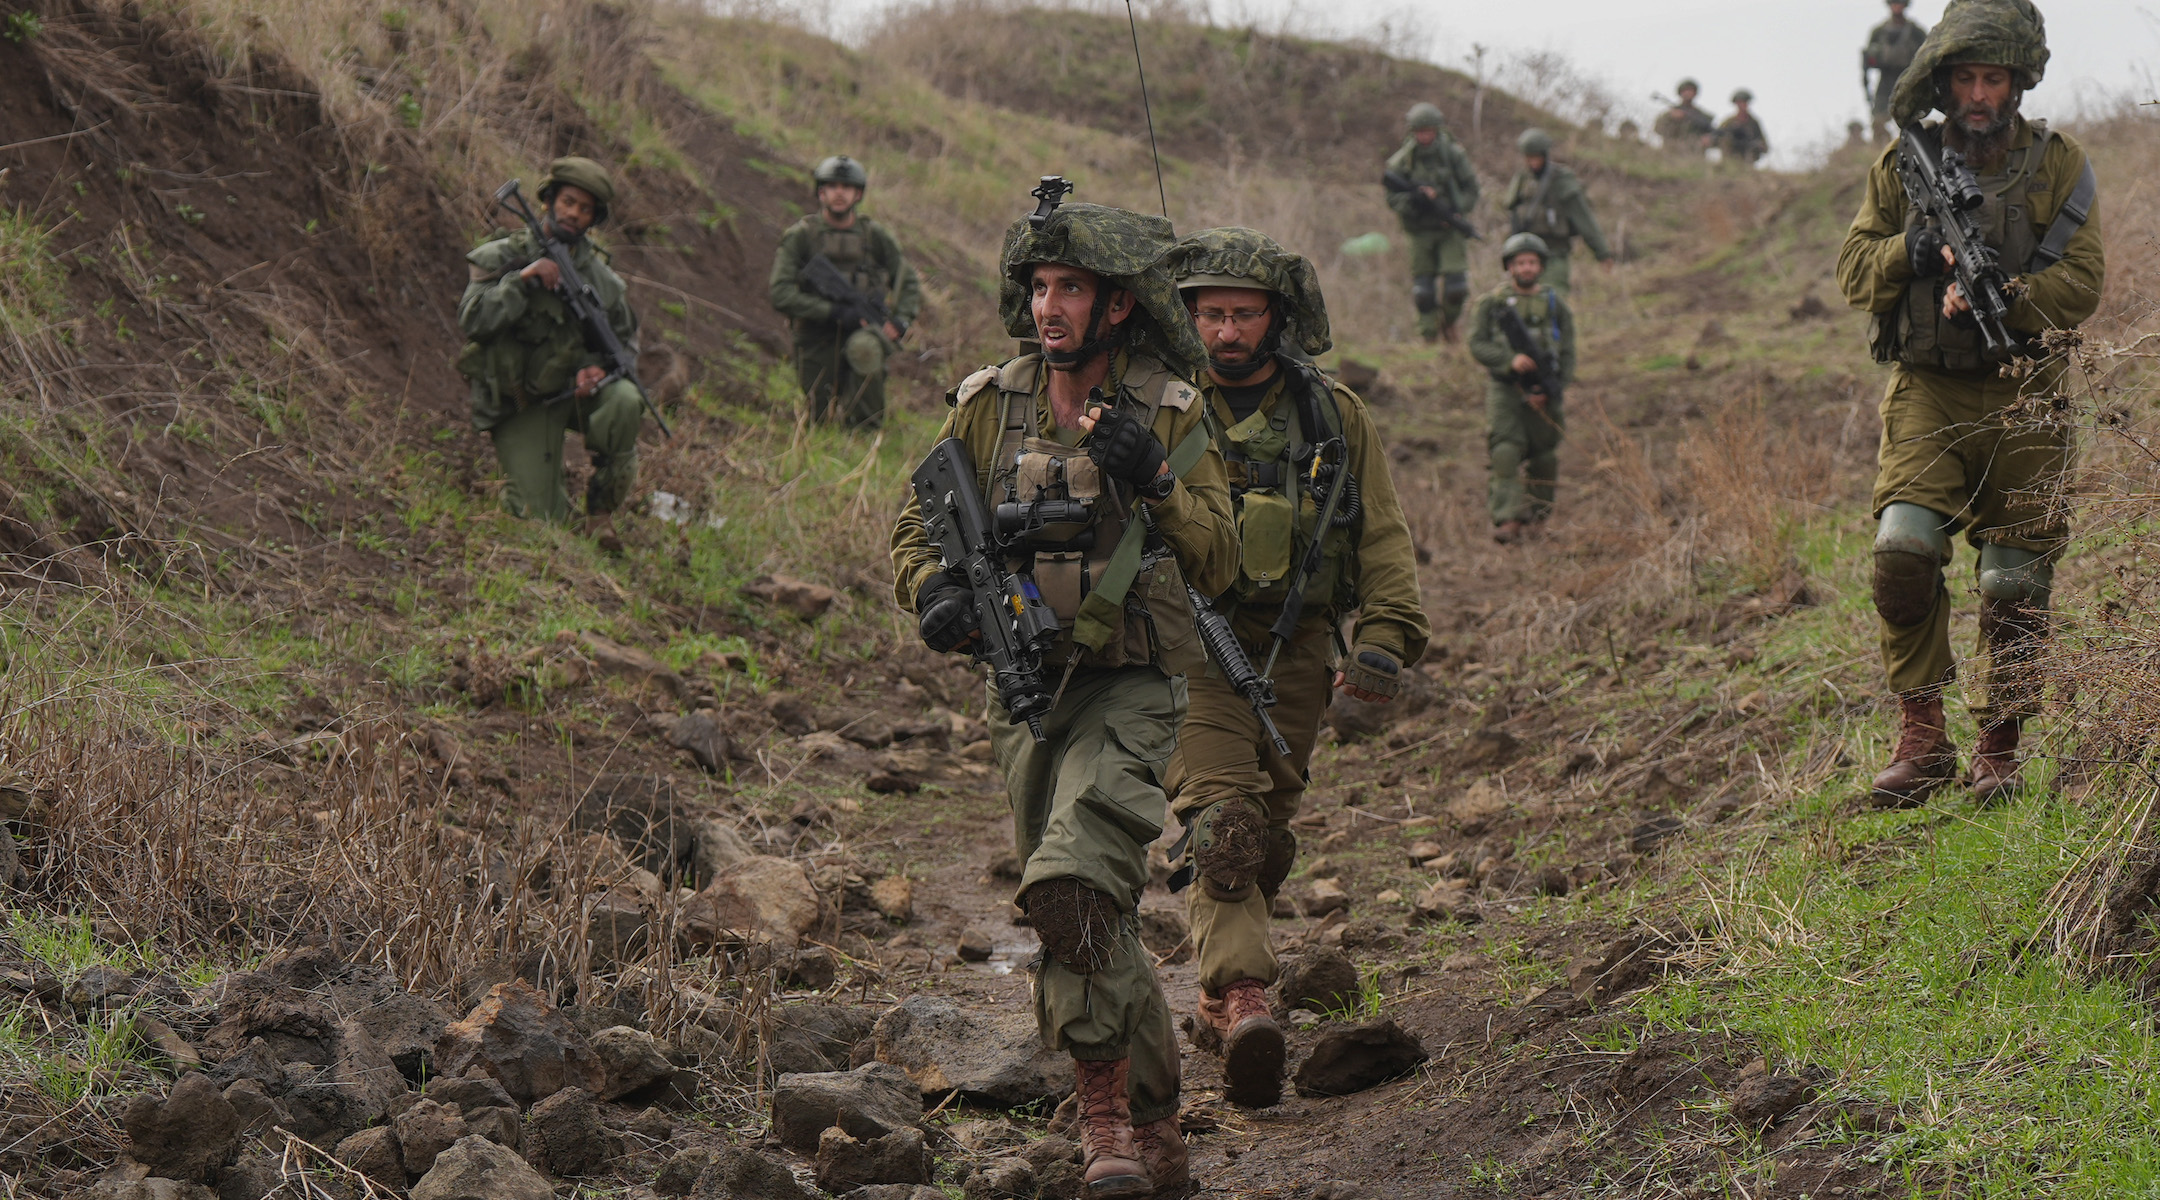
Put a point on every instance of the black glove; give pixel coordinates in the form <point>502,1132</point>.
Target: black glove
<point>1124,448</point>
<point>1923,252</point>
<point>1371,669</point>
<point>945,613</point>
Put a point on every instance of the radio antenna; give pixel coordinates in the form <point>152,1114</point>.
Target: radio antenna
<point>1147,108</point>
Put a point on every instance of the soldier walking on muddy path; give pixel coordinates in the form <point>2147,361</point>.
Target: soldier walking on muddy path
<point>1546,199</point>
<point>1434,187</point>
<point>1740,136</point>
<point>1685,127</point>
<point>1890,49</point>
<point>1524,398</point>
<point>842,282</point>
<point>1104,415</point>
<point>534,378</point>
<point>1969,440</point>
<point>1235,792</point>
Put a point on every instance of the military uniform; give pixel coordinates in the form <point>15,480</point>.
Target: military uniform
<point>523,358</point>
<point>1890,49</point>
<point>1269,433</point>
<point>1551,204</point>
<point>1523,443</point>
<point>1740,136</point>
<point>1960,450</point>
<point>1685,126</point>
<point>1439,254</point>
<point>1088,800</point>
<point>842,371</point>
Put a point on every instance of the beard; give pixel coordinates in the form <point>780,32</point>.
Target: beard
<point>1987,143</point>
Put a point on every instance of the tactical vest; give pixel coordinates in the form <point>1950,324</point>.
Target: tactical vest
<point>1544,327</point>
<point>1539,213</point>
<point>538,357</point>
<point>1277,515</point>
<point>1070,560</point>
<point>1919,336</point>
<point>849,250</point>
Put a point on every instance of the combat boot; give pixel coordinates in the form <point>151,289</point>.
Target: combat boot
<point>1252,1043</point>
<point>1111,1166</point>
<point>1925,758</point>
<point>1994,774</point>
<point>1162,1149</point>
<point>1507,533</point>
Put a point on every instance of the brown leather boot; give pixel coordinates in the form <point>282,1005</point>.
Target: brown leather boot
<point>1162,1148</point>
<point>1252,1043</point>
<point>1112,1166</point>
<point>1507,533</point>
<point>1925,758</point>
<point>1994,774</point>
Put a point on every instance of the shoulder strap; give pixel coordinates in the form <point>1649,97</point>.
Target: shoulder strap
<point>1097,621</point>
<point>2068,220</point>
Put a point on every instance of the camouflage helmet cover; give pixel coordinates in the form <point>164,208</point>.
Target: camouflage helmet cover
<point>585,175</point>
<point>841,169</point>
<point>1126,249</point>
<point>1743,96</point>
<point>2008,33</point>
<point>1424,115</point>
<point>1524,243</point>
<point>1236,257</point>
<point>1534,141</point>
<point>1687,85</point>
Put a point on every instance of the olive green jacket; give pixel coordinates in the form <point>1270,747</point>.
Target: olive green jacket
<point>1383,568</point>
<point>1741,138</point>
<point>524,346</point>
<point>1543,312</point>
<point>801,242</point>
<point>1874,272</point>
<point>1443,166</point>
<point>1892,44</point>
<point>1194,522</point>
<point>1561,214</point>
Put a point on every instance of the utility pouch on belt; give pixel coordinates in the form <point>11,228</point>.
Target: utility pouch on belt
<point>1266,533</point>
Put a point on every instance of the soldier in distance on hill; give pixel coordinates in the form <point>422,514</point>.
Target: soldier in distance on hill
<point>1890,49</point>
<point>1685,127</point>
<point>526,349</point>
<point>1524,417</point>
<point>1740,136</point>
<point>1969,441</point>
<point>1104,414</point>
<point>1439,253</point>
<point>840,346</point>
<point>1236,793</point>
<point>1546,199</point>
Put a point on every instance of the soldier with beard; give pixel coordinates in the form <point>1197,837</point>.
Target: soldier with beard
<point>1966,443</point>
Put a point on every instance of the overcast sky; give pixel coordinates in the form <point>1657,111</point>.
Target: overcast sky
<point>1801,58</point>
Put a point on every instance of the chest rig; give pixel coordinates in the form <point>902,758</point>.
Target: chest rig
<point>1276,497</point>
<point>1538,212</point>
<point>1917,334</point>
<point>1074,533</point>
<point>849,250</point>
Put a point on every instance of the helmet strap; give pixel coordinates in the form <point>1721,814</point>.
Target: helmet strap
<point>1261,357</point>
<point>1094,341</point>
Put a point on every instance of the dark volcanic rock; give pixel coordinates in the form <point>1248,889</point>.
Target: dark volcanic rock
<point>1760,1100</point>
<point>1351,1058</point>
<point>991,1058</point>
<point>187,1135</point>
<point>478,1169</point>
<point>845,1162</point>
<point>868,1102</point>
<point>701,735</point>
<point>565,1136</point>
<point>519,1038</point>
<point>739,1174</point>
<point>1319,981</point>
<point>641,813</point>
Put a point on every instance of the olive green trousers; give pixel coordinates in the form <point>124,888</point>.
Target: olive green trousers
<point>529,446</point>
<point>842,377</point>
<point>1223,754</point>
<point>1438,255</point>
<point>1086,803</point>
<point>1524,449</point>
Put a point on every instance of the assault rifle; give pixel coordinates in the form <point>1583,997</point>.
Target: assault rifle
<point>850,307</point>
<point>1546,379</point>
<point>1396,181</point>
<point>1016,626</point>
<point>1941,185</point>
<point>585,309</point>
<point>1236,666</point>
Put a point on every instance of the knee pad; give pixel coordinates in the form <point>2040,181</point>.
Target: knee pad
<point>1280,856</point>
<point>1229,844</point>
<point>865,353</point>
<point>2024,577</point>
<point>1425,293</point>
<point>1457,287</point>
<point>1078,925</point>
<point>1911,546</point>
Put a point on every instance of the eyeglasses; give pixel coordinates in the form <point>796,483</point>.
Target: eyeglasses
<point>1247,317</point>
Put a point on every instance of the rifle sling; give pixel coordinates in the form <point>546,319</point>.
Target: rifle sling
<point>2072,218</point>
<point>1097,621</point>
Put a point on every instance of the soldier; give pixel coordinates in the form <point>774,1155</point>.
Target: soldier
<point>533,379</point>
<point>1445,187</point>
<point>1546,199</point>
<point>1087,285</point>
<point>1889,50</point>
<point>1962,447</point>
<point>840,350</point>
<point>1524,424</point>
<point>1252,301</point>
<point>1685,126</point>
<point>1740,137</point>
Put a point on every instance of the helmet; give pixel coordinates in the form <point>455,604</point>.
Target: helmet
<point>2008,33</point>
<point>1236,257</point>
<point>1524,243</point>
<point>1126,249</point>
<point>585,175</point>
<point>1743,96</point>
<point>841,169</point>
<point>1687,85</point>
<point>1534,141</point>
<point>1423,115</point>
